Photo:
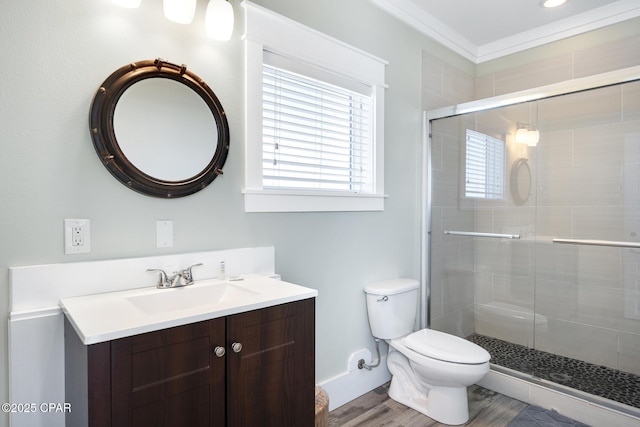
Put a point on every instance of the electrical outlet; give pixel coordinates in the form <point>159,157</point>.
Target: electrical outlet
<point>77,236</point>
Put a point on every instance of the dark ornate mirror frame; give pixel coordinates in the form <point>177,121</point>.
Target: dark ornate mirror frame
<point>106,145</point>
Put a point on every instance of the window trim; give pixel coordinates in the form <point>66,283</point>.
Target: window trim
<point>266,30</point>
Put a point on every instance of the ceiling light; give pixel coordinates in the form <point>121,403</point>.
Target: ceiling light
<point>131,4</point>
<point>179,11</point>
<point>218,21</point>
<point>552,3</point>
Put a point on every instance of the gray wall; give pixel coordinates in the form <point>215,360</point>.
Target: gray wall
<point>54,57</point>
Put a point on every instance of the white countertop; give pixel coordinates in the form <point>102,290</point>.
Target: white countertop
<point>107,316</point>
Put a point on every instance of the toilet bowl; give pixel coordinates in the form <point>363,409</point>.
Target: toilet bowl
<point>430,369</point>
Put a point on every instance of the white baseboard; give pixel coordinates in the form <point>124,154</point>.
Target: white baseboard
<point>590,413</point>
<point>351,385</point>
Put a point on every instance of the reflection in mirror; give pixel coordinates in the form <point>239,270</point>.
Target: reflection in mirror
<point>520,181</point>
<point>165,129</point>
<point>159,129</point>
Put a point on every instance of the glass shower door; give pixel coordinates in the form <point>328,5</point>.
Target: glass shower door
<point>483,228</point>
<point>588,246</point>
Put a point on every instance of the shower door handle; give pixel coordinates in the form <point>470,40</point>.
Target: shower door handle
<point>476,234</point>
<point>591,242</point>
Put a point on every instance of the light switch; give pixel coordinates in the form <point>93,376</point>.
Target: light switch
<point>164,234</point>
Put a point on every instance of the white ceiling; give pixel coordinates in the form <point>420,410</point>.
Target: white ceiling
<point>481,30</point>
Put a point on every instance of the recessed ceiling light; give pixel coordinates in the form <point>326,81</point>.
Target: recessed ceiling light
<point>552,3</point>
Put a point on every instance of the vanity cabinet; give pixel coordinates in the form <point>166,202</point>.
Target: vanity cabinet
<point>255,368</point>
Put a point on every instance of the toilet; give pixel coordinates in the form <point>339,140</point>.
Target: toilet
<point>430,370</point>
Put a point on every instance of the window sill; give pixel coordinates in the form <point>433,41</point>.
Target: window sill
<point>310,201</point>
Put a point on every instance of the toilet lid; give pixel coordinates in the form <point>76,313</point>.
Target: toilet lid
<point>446,347</point>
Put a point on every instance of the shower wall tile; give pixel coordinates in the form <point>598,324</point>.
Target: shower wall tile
<point>444,84</point>
<point>599,306</point>
<point>535,74</point>
<point>629,353</point>
<point>607,57</point>
<point>601,186</point>
<point>516,290</point>
<point>582,109</point>
<point>632,144</point>
<point>554,150</point>
<point>552,221</point>
<point>484,221</point>
<point>444,260</point>
<point>503,257</point>
<point>484,87</point>
<point>446,193</point>
<point>556,263</point>
<point>483,290</point>
<point>581,186</point>
<point>457,85</point>
<point>603,145</point>
<point>631,102</point>
<point>457,220</point>
<point>555,299</point>
<point>514,220</point>
<point>603,223</point>
<point>457,292</point>
<point>600,266</point>
<point>579,341</point>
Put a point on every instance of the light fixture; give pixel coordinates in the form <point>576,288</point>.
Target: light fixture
<point>179,11</point>
<point>218,21</point>
<point>552,3</point>
<point>131,4</point>
<point>527,135</point>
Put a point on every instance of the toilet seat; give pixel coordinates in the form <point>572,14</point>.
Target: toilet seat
<point>446,347</point>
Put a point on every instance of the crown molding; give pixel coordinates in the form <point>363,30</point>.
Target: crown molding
<point>427,24</point>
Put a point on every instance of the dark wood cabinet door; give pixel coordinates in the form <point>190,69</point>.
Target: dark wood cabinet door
<point>270,381</point>
<point>170,377</point>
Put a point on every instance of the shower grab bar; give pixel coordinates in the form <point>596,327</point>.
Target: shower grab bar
<point>476,234</point>
<point>590,242</point>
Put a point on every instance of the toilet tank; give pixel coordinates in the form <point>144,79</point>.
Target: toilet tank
<point>392,307</point>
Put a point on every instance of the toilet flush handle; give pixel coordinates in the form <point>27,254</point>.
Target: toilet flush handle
<point>384,299</point>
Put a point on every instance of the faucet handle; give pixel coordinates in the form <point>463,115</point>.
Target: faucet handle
<point>163,281</point>
<point>187,274</point>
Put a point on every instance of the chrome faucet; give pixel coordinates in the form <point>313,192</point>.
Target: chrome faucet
<point>177,279</point>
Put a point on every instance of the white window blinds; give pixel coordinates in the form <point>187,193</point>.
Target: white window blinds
<point>316,135</point>
<point>485,166</point>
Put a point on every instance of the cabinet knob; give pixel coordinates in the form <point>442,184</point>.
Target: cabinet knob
<point>236,347</point>
<point>219,351</point>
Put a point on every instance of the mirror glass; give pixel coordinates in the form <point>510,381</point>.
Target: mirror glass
<point>165,129</point>
<point>159,129</point>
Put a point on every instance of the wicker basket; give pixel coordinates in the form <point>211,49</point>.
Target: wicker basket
<point>322,408</point>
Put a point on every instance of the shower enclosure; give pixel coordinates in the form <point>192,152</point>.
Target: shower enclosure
<point>531,233</point>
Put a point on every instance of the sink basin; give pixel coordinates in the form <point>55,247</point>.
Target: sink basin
<point>188,297</point>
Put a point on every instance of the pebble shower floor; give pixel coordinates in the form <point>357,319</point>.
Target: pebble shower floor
<point>597,380</point>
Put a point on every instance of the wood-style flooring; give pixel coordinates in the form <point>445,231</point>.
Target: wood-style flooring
<point>486,408</point>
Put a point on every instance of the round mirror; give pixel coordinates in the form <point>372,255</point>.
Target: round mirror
<point>159,129</point>
<point>520,181</point>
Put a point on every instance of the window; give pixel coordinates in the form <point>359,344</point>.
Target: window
<point>316,135</point>
<point>484,166</point>
<point>315,120</point>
